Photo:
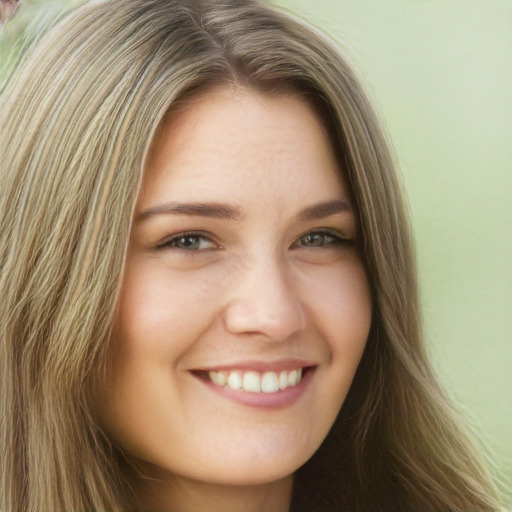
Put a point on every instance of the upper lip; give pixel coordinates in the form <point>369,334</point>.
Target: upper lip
<point>260,366</point>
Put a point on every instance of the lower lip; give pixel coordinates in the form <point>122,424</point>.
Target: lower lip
<point>277,400</point>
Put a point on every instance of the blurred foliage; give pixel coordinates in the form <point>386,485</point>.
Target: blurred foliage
<point>32,18</point>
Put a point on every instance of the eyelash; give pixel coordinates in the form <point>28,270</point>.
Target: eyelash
<point>335,240</point>
<point>168,243</point>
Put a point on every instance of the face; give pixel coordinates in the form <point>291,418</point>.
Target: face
<point>245,307</point>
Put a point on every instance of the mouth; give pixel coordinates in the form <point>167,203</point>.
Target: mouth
<point>252,381</point>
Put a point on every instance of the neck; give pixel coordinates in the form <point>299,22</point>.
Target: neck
<point>182,495</point>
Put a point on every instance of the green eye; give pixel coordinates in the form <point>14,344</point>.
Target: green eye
<point>316,240</point>
<point>319,239</point>
<point>188,242</point>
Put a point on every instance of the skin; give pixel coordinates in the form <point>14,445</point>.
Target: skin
<point>247,286</point>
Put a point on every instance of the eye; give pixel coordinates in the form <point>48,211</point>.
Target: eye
<point>322,238</point>
<point>188,242</point>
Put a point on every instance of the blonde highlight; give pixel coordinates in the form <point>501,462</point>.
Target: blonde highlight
<point>79,115</point>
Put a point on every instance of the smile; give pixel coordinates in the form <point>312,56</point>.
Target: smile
<point>256,382</point>
<point>259,385</point>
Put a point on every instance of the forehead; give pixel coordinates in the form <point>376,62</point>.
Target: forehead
<point>243,145</point>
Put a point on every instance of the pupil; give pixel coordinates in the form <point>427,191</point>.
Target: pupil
<point>314,240</point>
<point>188,241</point>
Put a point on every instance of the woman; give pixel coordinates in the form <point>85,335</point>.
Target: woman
<point>208,292</point>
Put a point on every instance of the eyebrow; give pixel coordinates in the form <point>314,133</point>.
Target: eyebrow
<point>231,212</point>
<point>324,209</point>
<point>214,210</point>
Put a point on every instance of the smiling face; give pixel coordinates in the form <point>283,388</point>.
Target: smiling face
<point>245,307</point>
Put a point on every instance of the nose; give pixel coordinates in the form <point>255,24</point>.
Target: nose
<point>264,302</point>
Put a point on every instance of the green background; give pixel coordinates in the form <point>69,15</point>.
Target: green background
<point>440,72</point>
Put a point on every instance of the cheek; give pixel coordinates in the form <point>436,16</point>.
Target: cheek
<point>339,300</point>
<point>164,311</point>
<point>340,311</point>
<point>341,306</point>
<point>161,315</point>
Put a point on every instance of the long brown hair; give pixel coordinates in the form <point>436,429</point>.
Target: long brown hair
<point>78,118</point>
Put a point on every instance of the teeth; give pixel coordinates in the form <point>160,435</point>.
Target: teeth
<point>269,382</point>
<point>252,382</point>
<point>293,377</point>
<point>283,380</point>
<point>255,382</point>
<point>235,380</point>
<point>222,378</point>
